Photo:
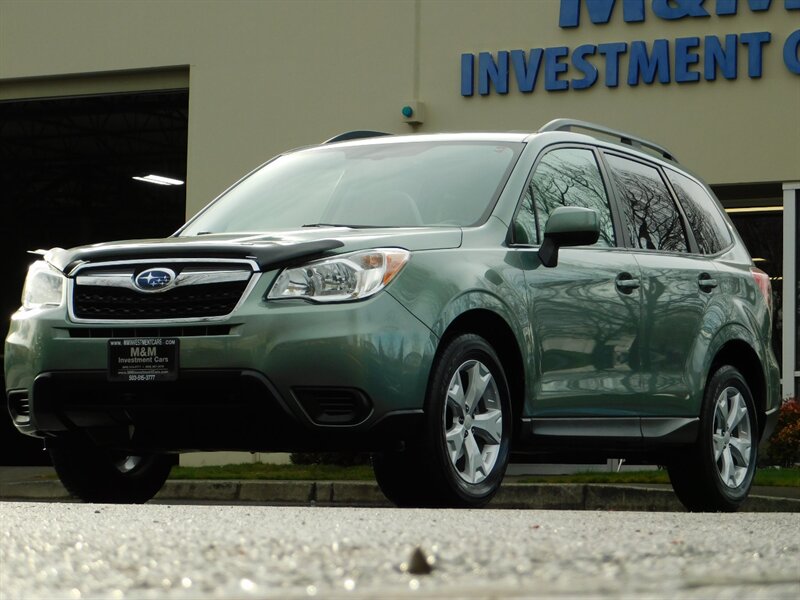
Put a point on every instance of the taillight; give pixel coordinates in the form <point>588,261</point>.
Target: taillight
<point>762,281</point>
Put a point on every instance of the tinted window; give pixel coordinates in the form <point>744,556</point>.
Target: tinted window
<point>564,177</point>
<point>652,219</point>
<point>707,223</point>
<point>373,185</point>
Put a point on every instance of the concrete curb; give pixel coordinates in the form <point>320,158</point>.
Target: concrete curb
<point>528,496</point>
<point>34,490</point>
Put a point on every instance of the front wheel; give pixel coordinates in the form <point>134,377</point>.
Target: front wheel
<point>95,474</point>
<point>462,457</point>
<point>716,475</point>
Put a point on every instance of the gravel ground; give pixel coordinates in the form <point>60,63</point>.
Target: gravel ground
<point>166,551</point>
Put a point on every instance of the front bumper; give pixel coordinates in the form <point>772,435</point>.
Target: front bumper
<point>270,382</point>
<point>204,410</point>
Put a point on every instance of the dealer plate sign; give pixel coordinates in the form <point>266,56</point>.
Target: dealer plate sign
<point>143,359</point>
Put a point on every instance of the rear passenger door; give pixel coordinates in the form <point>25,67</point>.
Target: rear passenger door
<point>584,311</point>
<point>677,287</point>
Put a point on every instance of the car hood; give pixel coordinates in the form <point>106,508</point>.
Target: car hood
<point>268,250</point>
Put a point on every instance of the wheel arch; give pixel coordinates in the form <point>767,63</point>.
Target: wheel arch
<point>495,330</point>
<point>741,355</point>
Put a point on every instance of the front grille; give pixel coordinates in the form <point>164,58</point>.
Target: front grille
<point>108,293</point>
<point>211,300</point>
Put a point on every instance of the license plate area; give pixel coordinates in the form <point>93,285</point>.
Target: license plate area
<point>143,359</point>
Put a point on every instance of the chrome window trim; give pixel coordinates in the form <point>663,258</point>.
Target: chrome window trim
<point>255,276</point>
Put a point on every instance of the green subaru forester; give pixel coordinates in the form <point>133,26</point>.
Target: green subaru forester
<point>448,302</point>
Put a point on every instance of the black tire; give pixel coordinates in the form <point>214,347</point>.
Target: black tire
<point>93,474</point>
<point>709,479</point>
<point>395,472</point>
<point>423,474</point>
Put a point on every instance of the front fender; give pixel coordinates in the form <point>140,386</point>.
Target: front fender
<point>439,287</point>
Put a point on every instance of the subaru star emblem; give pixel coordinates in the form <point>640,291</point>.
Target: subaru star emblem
<point>154,280</point>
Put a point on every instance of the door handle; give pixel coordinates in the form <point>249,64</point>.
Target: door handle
<point>706,282</point>
<point>626,283</point>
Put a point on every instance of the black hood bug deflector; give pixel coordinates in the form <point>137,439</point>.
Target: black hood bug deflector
<point>267,256</point>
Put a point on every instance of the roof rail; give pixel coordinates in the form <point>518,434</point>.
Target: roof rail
<point>355,135</point>
<point>624,138</point>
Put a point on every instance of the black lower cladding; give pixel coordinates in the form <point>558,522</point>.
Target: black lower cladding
<point>592,440</point>
<point>202,410</point>
<point>334,406</point>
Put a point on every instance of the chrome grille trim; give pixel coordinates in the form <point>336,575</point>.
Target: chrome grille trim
<point>125,280</point>
<point>249,261</point>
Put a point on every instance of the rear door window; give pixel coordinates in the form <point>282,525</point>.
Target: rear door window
<point>651,216</point>
<point>705,218</point>
<point>563,177</point>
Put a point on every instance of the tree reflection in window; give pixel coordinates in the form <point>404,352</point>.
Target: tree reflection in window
<point>652,218</point>
<point>565,177</point>
<point>704,216</point>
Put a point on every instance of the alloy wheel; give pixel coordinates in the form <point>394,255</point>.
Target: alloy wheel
<point>732,437</point>
<point>473,421</point>
<point>128,463</point>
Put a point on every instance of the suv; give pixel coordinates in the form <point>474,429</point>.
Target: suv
<point>448,302</point>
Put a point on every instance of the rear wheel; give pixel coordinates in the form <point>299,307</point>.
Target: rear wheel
<point>95,474</point>
<point>462,457</point>
<point>716,475</point>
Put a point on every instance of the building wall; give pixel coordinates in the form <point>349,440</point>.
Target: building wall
<point>266,76</point>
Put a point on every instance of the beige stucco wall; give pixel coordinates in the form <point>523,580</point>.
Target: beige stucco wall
<point>265,76</point>
<point>729,131</point>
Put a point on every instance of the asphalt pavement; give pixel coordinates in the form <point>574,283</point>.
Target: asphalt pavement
<point>155,551</point>
<point>41,484</point>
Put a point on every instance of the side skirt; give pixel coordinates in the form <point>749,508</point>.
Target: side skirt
<point>587,440</point>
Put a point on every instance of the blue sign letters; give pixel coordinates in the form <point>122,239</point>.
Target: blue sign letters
<point>682,60</point>
<point>633,11</point>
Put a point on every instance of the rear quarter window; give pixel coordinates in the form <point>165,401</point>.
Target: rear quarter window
<point>704,215</point>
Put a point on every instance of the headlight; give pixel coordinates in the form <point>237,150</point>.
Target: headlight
<point>341,278</point>
<point>44,286</point>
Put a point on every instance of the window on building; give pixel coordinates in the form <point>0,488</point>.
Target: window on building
<point>762,234</point>
<point>756,210</point>
<point>797,289</point>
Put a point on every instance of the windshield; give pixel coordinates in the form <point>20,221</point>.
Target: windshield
<point>381,185</point>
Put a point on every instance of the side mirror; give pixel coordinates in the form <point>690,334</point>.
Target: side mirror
<point>568,226</point>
